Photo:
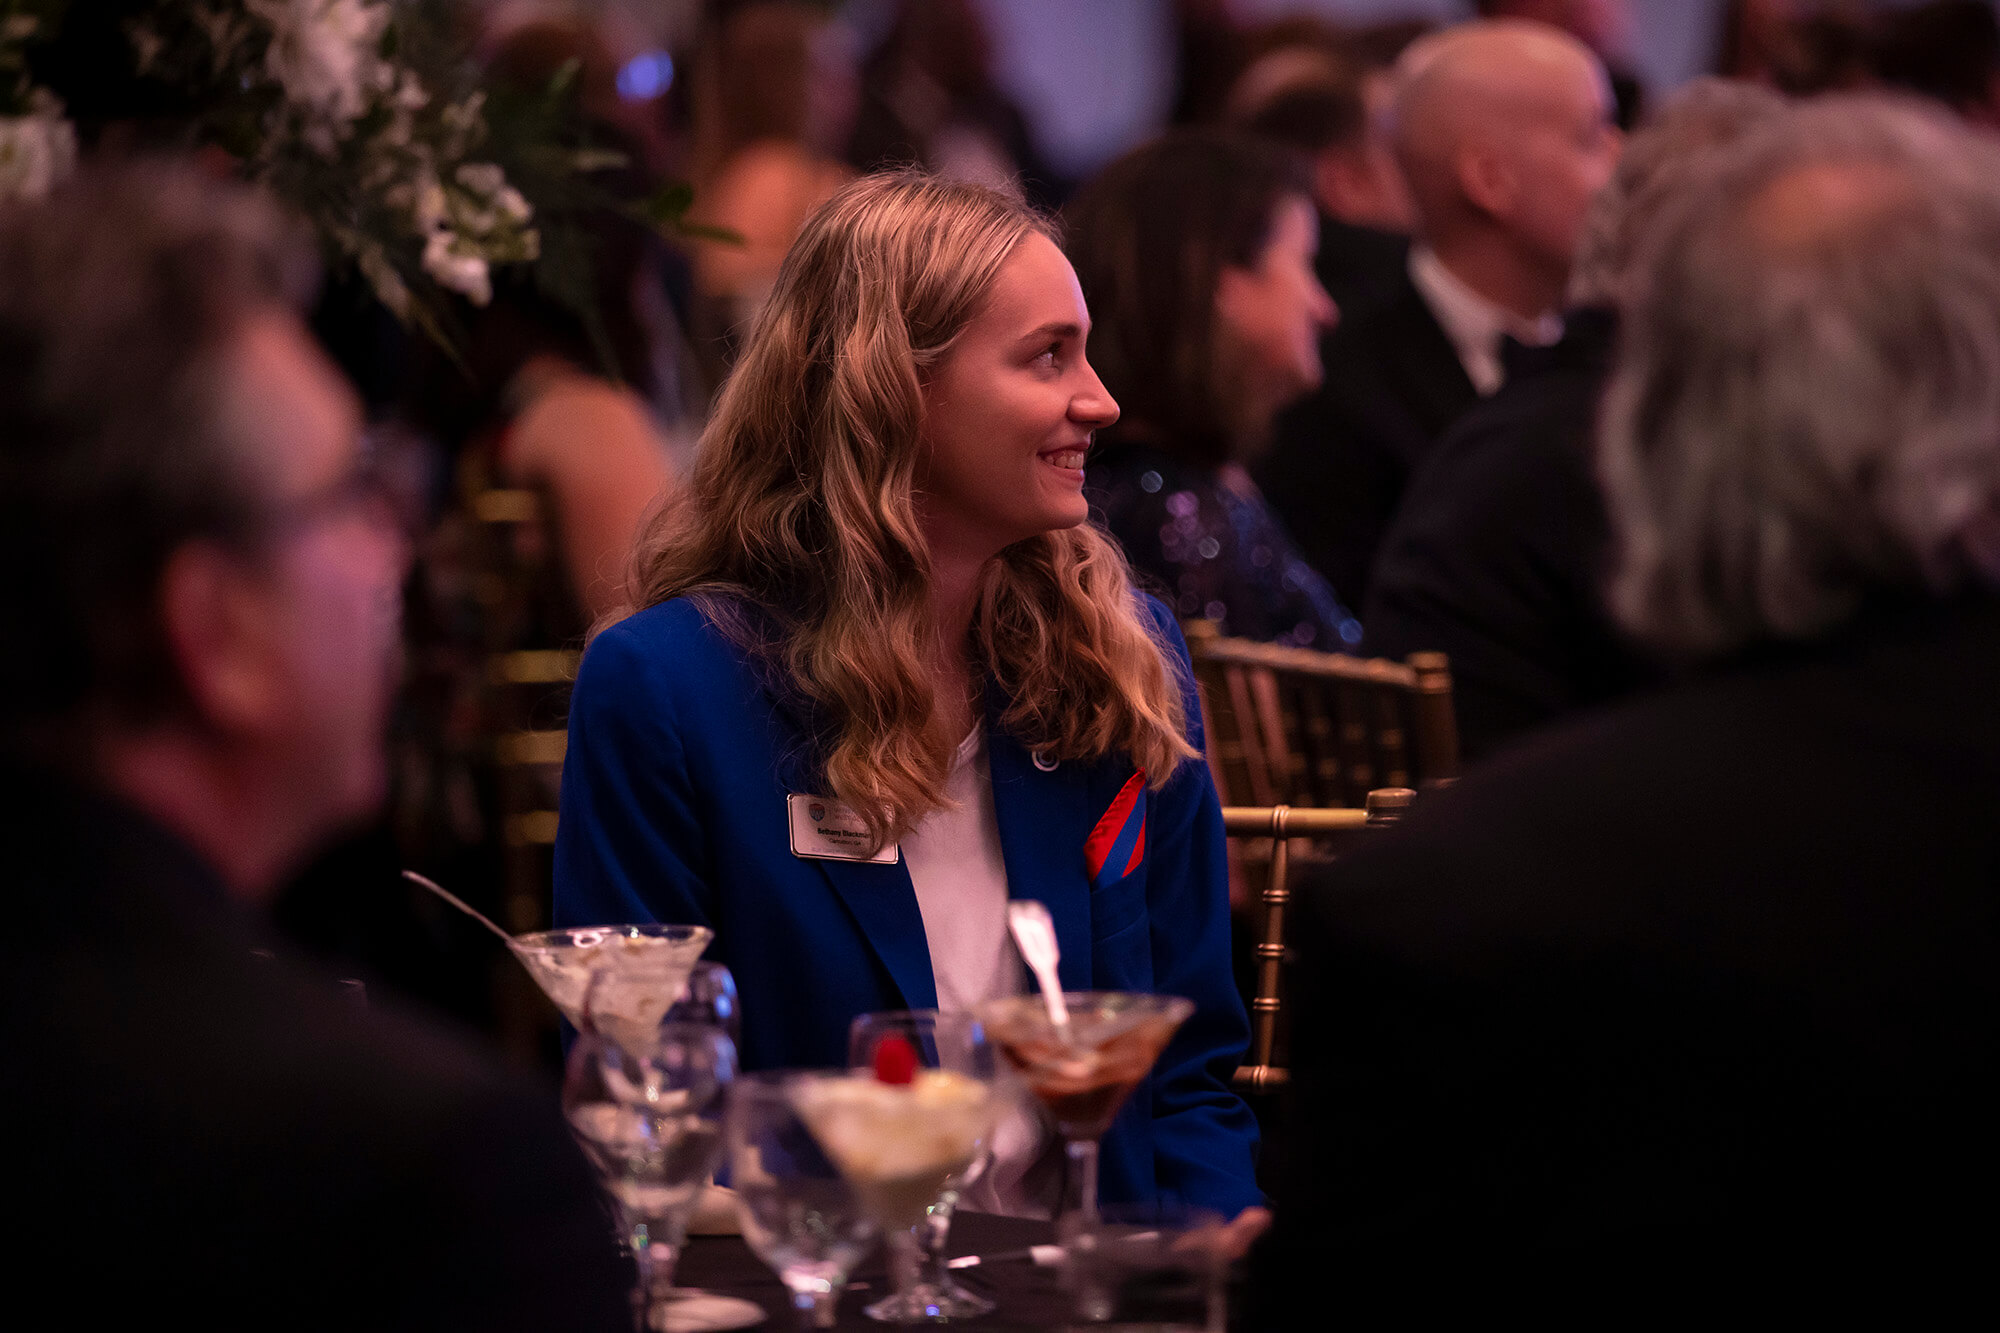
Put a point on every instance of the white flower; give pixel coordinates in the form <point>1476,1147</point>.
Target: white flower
<point>482,178</point>
<point>460,272</point>
<point>410,93</point>
<point>326,55</point>
<point>36,150</point>
<point>512,206</point>
<point>430,205</point>
<point>503,203</point>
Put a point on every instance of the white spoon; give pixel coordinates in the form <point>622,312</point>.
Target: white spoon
<point>1035,937</point>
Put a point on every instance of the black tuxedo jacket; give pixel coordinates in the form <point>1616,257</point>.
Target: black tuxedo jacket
<point>1339,461</point>
<point>203,1134</point>
<point>1698,996</point>
<point>1497,553</point>
<point>1359,266</point>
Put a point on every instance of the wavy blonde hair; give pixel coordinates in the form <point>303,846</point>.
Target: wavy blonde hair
<point>802,508</point>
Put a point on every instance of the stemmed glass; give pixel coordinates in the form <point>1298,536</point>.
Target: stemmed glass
<point>564,962</point>
<point>899,1133</point>
<point>710,997</point>
<point>1082,1071</point>
<point>938,1041</point>
<point>645,1099</point>
<point>799,1214</point>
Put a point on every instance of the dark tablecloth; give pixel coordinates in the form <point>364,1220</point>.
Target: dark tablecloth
<point>1028,1297</point>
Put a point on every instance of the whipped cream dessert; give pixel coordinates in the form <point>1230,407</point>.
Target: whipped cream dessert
<point>898,1143</point>
<point>653,972</point>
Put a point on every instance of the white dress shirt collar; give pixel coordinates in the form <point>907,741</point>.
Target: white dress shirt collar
<point>1474,324</point>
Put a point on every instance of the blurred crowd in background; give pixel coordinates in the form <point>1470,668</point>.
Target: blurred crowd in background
<point>1278,163</point>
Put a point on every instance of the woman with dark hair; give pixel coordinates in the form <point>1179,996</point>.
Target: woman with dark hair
<point>1195,253</point>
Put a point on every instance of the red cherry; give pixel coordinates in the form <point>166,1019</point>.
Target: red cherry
<point>895,1060</point>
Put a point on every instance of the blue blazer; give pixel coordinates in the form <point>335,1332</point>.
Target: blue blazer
<point>681,757</point>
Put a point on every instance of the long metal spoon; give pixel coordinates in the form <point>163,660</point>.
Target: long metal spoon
<point>460,904</point>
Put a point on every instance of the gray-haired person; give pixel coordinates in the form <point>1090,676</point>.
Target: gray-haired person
<point>199,614</point>
<point>1699,999</point>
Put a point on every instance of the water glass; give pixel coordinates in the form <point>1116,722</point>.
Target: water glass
<point>1159,1267</point>
<point>799,1214</point>
<point>649,1116</point>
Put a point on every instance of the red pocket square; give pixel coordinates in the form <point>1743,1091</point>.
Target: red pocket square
<point>1118,843</point>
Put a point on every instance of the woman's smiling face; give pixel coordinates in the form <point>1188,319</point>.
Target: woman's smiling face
<point>1009,412</point>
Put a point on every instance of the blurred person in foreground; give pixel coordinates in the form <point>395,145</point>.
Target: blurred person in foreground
<point>1335,115</point>
<point>1195,255</point>
<point>201,625</point>
<point>1696,999</point>
<point>1497,555</point>
<point>1504,135</point>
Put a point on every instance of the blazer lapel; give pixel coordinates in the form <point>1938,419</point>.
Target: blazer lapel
<point>881,898</point>
<point>884,902</point>
<point>1045,818</point>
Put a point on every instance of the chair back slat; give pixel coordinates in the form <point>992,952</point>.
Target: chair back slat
<point>1356,753</point>
<point>1236,754</point>
<point>1389,737</point>
<point>1296,727</point>
<point>1436,720</point>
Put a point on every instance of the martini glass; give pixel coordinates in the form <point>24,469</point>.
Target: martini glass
<point>564,962</point>
<point>938,1041</point>
<point>898,1144</point>
<point>1082,1071</point>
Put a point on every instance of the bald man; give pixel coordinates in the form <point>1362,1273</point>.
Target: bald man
<point>1504,133</point>
<point>1605,26</point>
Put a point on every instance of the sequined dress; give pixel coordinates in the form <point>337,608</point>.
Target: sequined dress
<point>1204,541</point>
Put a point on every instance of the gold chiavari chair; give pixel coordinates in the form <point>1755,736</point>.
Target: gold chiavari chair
<point>1280,824</point>
<point>526,684</point>
<point>528,625</point>
<point>1289,726</point>
<point>532,687</point>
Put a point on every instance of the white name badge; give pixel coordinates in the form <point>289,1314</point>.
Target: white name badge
<point>829,831</point>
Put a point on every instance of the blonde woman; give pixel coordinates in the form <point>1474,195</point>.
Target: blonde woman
<point>885,678</point>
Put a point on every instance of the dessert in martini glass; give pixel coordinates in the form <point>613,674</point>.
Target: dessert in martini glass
<point>655,960</point>
<point>564,962</point>
<point>935,1041</point>
<point>898,1133</point>
<point>1082,1070</point>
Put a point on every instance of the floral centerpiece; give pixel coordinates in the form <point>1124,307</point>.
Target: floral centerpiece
<point>37,145</point>
<point>359,114</point>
